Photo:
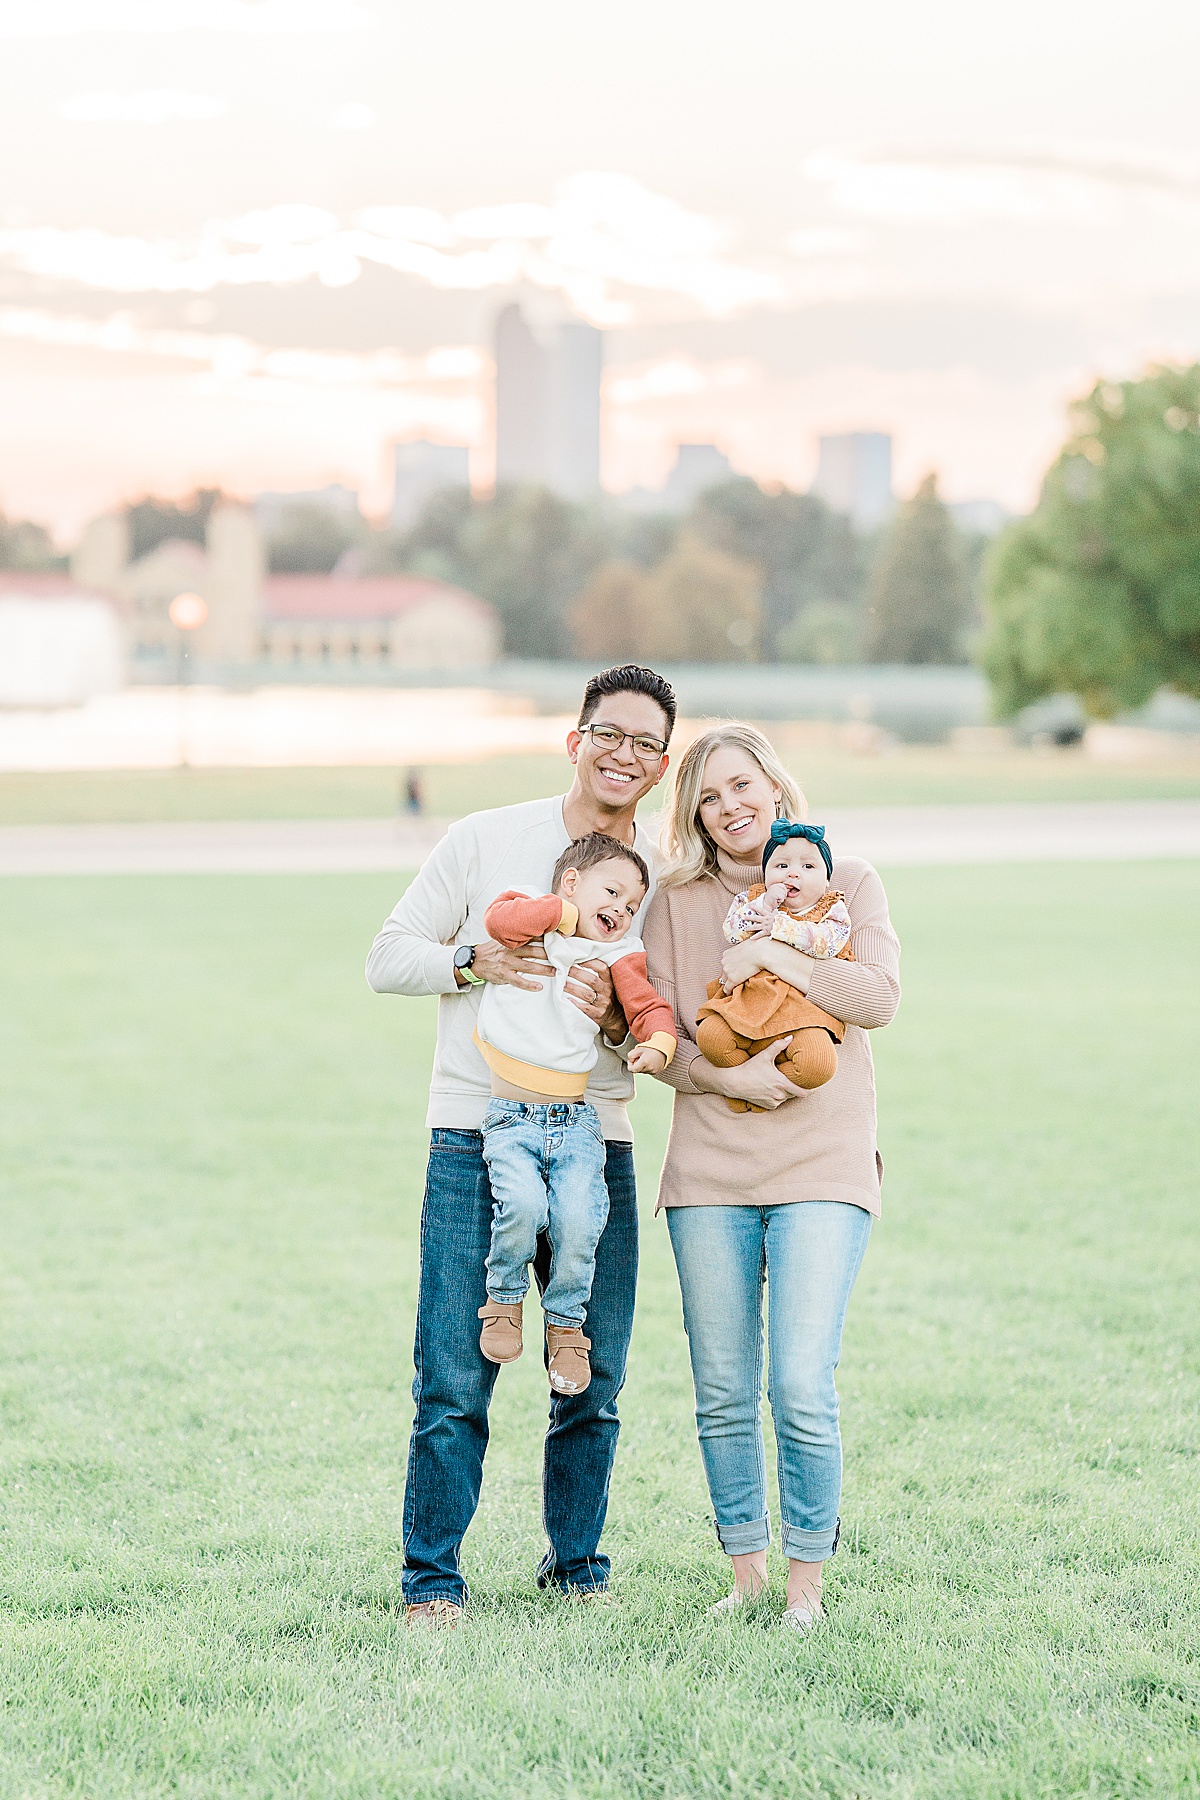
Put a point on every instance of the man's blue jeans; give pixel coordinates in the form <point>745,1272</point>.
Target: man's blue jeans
<point>807,1254</point>
<point>454,1380</point>
<point>546,1168</point>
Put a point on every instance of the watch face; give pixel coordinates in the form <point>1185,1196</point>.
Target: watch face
<point>464,956</point>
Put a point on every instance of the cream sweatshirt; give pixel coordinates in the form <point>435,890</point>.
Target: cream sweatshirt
<point>480,858</point>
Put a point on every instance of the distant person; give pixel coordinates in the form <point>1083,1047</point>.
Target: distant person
<point>542,1141</point>
<point>436,942</point>
<point>413,794</point>
<point>778,1197</point>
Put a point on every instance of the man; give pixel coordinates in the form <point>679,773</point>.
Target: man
<point>435,943</point>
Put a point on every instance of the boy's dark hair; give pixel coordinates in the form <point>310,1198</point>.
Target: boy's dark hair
<point>597,847</point>
<point>629,678</point>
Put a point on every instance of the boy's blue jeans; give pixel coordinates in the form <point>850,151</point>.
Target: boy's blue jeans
<point>454,1381</point>
<point>546,1168</point>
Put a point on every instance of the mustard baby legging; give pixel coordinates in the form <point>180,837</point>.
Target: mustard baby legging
<point>810,1060</point>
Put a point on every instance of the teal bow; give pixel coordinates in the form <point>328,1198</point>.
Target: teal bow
<point>783,829</point>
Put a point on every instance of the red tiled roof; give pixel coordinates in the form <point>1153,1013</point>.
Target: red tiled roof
<point>288,597</point>
<point>43,584</point>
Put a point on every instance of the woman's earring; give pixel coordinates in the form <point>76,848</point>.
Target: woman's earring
<point>779,809</point>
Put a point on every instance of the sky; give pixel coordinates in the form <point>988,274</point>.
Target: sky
<point>249,243</point>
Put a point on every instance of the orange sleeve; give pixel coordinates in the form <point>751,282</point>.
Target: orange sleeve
<point>647,1014</point>
<point>514,919</point>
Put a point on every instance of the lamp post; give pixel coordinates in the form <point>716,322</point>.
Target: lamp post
<point>187,612</point>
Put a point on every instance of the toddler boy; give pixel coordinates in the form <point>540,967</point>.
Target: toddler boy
<point>542,1141</point>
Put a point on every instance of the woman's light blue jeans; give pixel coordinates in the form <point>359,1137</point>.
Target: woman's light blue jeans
<point>807,1254</point>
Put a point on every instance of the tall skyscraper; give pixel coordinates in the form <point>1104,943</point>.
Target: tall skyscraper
<point>422,470</point>
<point>548,404</point>
<point>854,476</point>
<point>697,468</point>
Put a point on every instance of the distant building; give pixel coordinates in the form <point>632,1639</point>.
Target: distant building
<point>407,621</point>
<point>854,476</point>
<point>270,507</point>
<point>698,467</point>
<point>422,470</point>
<point>340,620</point>
<point>548,404</point>
<point>60,643</point>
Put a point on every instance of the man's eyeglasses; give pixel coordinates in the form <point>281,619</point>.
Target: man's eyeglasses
<point>607,737</point>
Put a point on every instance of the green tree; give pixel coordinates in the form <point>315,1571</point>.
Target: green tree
<point>1097,593</point>
<point>807,556</point>
<point>607,620</point>
<point>310,539</point>
<point>700,605</point>
<point>528,552</point>
<point>919,597</point>
<point>24,545</point>
<point>153,521</point>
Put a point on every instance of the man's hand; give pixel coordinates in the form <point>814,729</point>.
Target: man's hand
<point>509,968</point>
<point>646,1060</point>
<point>590,986</point>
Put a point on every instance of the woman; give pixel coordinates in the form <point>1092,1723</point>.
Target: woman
<point>785,1195</point>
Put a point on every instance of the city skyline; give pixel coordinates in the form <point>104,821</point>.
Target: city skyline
<point>254,243</point>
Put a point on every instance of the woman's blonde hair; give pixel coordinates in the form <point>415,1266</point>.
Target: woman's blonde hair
<point>691,851</point>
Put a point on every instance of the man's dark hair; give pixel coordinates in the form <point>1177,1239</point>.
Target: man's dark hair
<point>597,847</point>
<point>630,678</point>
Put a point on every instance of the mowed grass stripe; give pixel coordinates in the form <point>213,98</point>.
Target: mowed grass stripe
<point>211,1161</point>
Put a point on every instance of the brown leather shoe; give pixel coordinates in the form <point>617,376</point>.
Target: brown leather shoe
<point>500,1340</point>
<point>570,1370</point>
<point>433,1615</point>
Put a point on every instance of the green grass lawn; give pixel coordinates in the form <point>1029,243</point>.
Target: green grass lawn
<point>912,775</point>
<point>211,1160</point>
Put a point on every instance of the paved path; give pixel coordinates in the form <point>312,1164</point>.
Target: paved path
<point>888,835</point>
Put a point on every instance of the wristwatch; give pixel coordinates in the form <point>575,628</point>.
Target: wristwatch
<point>464,960</point>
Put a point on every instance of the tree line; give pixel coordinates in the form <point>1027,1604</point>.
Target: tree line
<point>744,576</point>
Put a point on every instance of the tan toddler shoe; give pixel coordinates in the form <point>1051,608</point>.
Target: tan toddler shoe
<point>500,1340</point>
<point>570,1369</point>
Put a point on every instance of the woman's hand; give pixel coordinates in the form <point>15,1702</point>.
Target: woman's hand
<point>757,1081</point>
<point>741,961</point>
<point>509,968</point>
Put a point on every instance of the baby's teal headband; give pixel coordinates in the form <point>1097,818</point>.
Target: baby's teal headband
<point>783,829</point>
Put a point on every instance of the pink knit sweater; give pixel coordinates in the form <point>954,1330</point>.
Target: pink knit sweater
<point>820,1146</point>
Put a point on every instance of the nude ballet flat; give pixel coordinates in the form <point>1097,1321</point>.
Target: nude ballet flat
<point>802,1616</point>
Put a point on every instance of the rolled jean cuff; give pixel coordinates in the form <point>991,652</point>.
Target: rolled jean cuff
<point>744,1540</point>
<point>809,1546</point>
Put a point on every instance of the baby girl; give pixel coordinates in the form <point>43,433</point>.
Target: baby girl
<point>796,907</point>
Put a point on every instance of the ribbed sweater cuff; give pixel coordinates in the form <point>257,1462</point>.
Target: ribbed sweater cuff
<point>867,987</point>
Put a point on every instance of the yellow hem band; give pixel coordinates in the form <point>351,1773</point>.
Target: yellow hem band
<point>662,1040</point>
<point>570,1084</point>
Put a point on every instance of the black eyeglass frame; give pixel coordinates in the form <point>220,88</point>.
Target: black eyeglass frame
<point>632,737</point>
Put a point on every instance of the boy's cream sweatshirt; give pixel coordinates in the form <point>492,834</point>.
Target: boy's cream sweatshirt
<point>480,858</point>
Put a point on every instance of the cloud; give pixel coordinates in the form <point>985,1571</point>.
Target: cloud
<point>71,18</point>
<point>157,106</point>
<point>603,242</point>
<point>230,357</point>
<point>1073,185</point>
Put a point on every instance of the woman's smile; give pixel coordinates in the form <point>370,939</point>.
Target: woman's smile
<point>737,802</point>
